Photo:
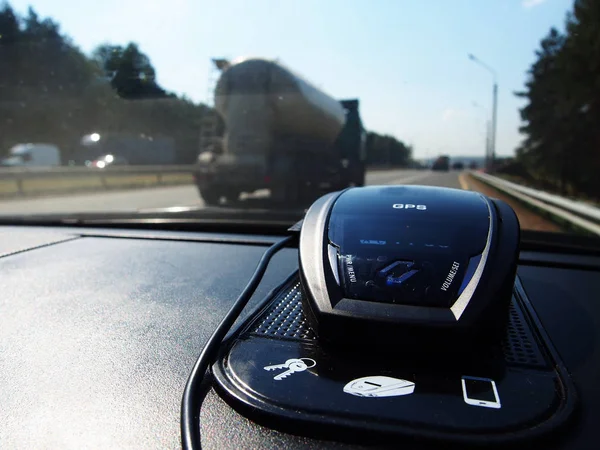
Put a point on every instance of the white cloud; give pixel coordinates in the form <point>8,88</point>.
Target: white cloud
<point>532,3</point>
<point>451,114</point>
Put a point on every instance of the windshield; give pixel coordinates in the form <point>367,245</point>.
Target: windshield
<point>261,107</point>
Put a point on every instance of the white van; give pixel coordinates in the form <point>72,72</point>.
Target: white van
<point>32,155</point>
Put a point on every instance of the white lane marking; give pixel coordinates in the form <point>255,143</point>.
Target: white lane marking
<point>462,179</point>
<point>408,179</point>
<point>380,177</point>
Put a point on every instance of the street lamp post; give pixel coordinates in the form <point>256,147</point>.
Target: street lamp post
<point>487,134</point>
<point>492,144</point>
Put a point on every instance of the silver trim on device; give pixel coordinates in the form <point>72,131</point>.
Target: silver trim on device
<point>459,306</point>
<point>332,252</point>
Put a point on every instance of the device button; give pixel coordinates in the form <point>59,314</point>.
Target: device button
<point>396,268</point>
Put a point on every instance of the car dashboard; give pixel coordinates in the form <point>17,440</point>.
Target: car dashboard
<point>100,327</point>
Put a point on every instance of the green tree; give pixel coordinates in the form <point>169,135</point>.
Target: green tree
<point>385,150</point>
<point>129,71</point>
<point>582,47</point>
<point>544,146</point>
<point>562,138</point>
<point>51,92</point>
<point>10,35</point>
<point>43,80</point>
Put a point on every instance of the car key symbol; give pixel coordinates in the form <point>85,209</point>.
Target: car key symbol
<point>292,365</point>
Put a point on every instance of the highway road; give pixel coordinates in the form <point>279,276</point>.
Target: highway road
<point>182,197</point>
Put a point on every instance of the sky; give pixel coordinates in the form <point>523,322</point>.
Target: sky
<point>406,60</point>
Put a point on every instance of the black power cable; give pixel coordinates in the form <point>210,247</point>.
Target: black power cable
<point>190,405</point>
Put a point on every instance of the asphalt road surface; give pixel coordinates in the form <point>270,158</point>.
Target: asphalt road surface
<point>184,197</point>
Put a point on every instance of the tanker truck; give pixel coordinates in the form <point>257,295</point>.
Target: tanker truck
<point>280,133</point>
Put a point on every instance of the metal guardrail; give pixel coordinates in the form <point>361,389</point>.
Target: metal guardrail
<point>18,181</point>
<point>65,171</point>
<point>575,212</point>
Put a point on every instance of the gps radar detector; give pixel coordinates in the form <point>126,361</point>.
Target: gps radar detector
<point>408,266</point>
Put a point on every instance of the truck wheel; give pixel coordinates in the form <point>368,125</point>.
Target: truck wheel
<point>359,178</point>
<point>291,193</point>
<point>231,196</point>
<point>211,196</point>
<point>308,194</point>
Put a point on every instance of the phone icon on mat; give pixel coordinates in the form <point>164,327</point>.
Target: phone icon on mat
<point>480,392</point>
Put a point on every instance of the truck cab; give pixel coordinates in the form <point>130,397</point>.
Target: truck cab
<point>32,155</point>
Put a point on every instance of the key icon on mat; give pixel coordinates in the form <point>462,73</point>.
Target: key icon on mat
<point>292,365</point>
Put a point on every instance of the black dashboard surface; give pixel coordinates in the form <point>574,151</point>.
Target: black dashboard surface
<point>98,335</point>
<point>568,304</point>
<point>99,330</point>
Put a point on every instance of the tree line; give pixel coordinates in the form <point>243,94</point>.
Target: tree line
<point>385,150</point>
<point>50,91</point>
<point>561,118</point>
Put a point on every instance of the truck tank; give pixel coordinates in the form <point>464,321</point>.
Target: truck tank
<point>263,103</point>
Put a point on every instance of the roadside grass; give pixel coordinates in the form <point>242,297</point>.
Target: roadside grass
<point>564,224</point>
<point>547,188</point>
